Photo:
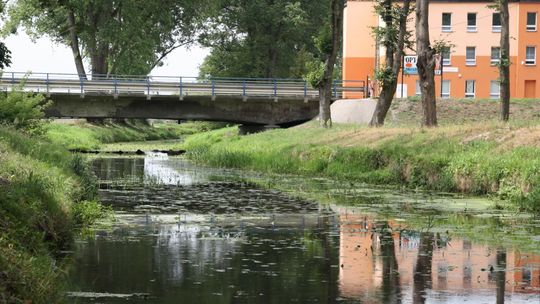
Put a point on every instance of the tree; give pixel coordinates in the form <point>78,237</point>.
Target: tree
<point>394,37</point>
<point>426,64</point>
<point>504,63</point>
<point>330,58</point>
<point>261,38</point>
<point>128,37</point>
<point>5,54</point>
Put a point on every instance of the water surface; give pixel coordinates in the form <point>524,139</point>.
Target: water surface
<point>190,234</point>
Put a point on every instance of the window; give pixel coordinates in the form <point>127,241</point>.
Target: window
<point>471,22</point>
<point>530,55</point>
<point>496,23</point>
<point>446,60</point>
<point>495,89</point>
<point>470,56</point>
<point>445,92</point>
<point>418,91</point>
<point>470,88</point>
<point>495,55</point>
<point>531,22</point>
<point>446,22</point>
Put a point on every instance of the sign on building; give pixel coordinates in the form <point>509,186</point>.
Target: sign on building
<point>410,65</point>
<point>411,69</point>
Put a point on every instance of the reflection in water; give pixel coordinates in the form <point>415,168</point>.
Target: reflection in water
<point>422,270</point>
<point>391,289</point>
<point>194,234</point>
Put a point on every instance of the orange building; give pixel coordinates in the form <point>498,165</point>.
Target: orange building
<point>470,68</point>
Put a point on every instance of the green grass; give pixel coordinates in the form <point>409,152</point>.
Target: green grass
<point>86,136</point>
<point>476,159</point>
<point>40,184</point>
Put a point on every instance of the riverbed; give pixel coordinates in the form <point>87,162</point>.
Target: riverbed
<point>192,234</point>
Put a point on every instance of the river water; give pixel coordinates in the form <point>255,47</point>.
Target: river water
<point>190,234</point>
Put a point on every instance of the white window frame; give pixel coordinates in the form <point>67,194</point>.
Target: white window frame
<point>469,94</point>
<point>444,94</point>
<point>446,28</point>
<point>470,61</point>
<point>497,60</point>
<point>472,28</point>
<point>494,95</point>
<point>496,28</point>
<point>447,61</point>
<point>532,27</point>
<point>530,61</point>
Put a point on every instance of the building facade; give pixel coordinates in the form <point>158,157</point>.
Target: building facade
<point>470,67</point>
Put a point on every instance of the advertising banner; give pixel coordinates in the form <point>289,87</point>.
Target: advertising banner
<point>410,65</point>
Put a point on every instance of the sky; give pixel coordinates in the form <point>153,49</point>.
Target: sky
<point>44,56</point>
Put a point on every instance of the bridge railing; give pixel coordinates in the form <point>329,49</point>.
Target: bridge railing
<point>54,83</point>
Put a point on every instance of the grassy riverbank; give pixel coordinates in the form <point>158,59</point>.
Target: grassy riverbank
<point>45,193</point>
<point>475,158</point>
<point>86,136</point>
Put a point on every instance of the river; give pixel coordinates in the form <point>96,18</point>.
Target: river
<point>190,234</point>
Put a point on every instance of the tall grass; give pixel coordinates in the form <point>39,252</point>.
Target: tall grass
<point>446,159</point>
<point>40,184</point>
<point>86,136</point>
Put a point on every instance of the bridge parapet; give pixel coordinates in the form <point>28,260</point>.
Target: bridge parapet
<point>150,86</point>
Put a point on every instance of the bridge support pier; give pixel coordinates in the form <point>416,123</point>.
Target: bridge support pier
<point>252,129</point>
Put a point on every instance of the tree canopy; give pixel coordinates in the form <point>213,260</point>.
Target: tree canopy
<point>5,54</point>
<point>116,37</point>
<point>262,38</point>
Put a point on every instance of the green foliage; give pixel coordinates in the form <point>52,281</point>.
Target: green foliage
<point>259,38</point>
<point>384,74</point>
<point>87,213</point>
<point>126,37</point>
<point>23,111</point>
<point>5,56</point>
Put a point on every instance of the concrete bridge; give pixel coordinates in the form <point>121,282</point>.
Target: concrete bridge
<point>248,101</point>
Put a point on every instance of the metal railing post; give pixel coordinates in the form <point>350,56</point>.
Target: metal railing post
<point>148,88</point>
<point>305,91</point>
<point>181,90</point>
<point>47,85</point>
<point>12,81</point>
<point>115,87</point>
<point>244,97</point>
<point>213,89</point>
<point>81,80</point>
<point>275,89</point>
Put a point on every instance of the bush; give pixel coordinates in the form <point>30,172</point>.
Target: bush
<point>23,111</point>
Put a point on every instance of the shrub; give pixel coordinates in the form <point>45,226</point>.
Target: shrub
<point>23,111</point>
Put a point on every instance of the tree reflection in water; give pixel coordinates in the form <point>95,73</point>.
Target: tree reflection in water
<point>422,271</point>
<point>501,274</point>
<point>390,286</point>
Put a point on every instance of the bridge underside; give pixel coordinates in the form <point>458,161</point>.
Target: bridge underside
<point>233,109</point>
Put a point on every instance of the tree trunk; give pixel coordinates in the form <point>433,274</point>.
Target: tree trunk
<point>74,44</point>
<point>422,271</point>
<point>325,87</point>
<point>426,64</point>
<point>504,64</point>
<point>394,58</point>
